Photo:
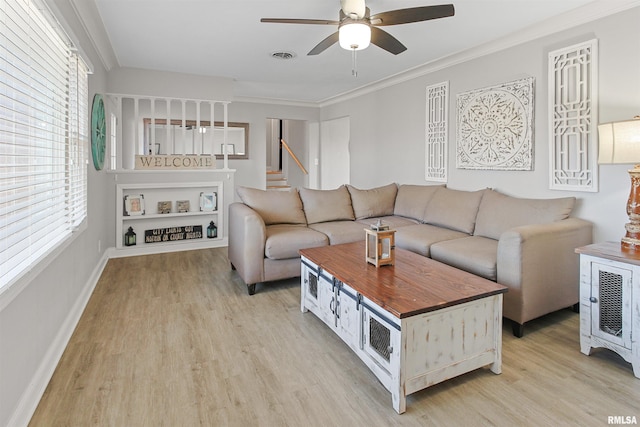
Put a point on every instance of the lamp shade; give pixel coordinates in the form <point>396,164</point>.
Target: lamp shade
<point>619,142</point>
<point>354,36</point>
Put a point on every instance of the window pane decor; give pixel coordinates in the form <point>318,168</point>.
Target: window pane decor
<point>495,127</point>
<point>437,135</point>
<point>573,119</point>
<point>43,136</point>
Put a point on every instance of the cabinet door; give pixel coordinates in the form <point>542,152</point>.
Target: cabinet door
<point>380,336</point>
<point>327,300</point>
<point>611,304</point>
<point>310,282</point>
<point>348,316</point>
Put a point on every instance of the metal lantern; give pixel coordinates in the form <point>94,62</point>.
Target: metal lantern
<point>380,246</point>
<point>130,237</point>
<point>212,230</point>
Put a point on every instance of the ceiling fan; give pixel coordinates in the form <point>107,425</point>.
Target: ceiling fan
<point>357,28</point>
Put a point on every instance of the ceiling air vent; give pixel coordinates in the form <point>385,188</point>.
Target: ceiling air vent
<point>283,55</point>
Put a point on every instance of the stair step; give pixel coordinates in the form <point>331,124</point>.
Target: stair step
<point>276,180</point>
<point>278,187</point>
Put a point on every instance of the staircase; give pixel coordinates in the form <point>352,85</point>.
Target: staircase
<point>276,181</point>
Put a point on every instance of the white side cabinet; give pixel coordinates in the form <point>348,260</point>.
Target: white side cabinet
<point>610,301</point>
<point>182,226</point>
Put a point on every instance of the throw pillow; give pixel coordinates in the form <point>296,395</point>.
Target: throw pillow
<point>326,205</point>
<point>412,200</point>
<point>454,209</point>
<point>374,202</point>
<point>275,207</point>
<point>499,212</point>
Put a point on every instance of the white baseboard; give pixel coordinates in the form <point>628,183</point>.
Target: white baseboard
<point>31,397</point>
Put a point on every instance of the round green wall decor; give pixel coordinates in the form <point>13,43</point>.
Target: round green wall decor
<point>98,132</point>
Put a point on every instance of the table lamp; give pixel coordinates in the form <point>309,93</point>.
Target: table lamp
<point>619,142</point>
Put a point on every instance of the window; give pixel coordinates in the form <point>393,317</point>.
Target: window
<point>43,137</point>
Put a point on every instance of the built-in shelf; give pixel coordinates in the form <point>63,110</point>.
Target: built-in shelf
<point>183,230</point>
<point>169,215</point>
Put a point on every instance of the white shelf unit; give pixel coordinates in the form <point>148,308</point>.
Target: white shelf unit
<point>151,219</point>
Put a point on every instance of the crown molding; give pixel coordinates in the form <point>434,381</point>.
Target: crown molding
<point>582,15</point>
<point>87,13</point>
<point>276,101</point>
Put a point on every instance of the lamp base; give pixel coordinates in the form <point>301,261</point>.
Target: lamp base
<point>631,240</point>
<point>630,244</point>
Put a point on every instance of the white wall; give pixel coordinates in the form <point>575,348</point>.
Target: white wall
<point>387,126</point>
<point>134,81</point>
<point>36,322</point>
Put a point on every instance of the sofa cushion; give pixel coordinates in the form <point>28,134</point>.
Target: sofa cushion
<point>475,254</point>
<point>419,238</point>
<point>374,202</point>
<point>327,205</point>
<point>412,200</point>
<point>499,212</point>
<point>454,209</point>
<point>394,222</point>
<point>275,207</point>
<point>284,240</point>
<point>340,232</point>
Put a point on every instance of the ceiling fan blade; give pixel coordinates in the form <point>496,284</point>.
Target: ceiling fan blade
<point>324,44</point>
<point>300,21</point>
<point>356,7</point>
<point>386,41</point>
<point>412,14</point>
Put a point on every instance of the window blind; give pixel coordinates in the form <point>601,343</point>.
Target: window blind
<point>43,137</point>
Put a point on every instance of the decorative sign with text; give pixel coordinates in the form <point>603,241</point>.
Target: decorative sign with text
<point>172,162</point>
<point>173,234</point>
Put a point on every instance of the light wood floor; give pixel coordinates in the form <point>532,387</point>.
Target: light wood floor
<point>175,340</point>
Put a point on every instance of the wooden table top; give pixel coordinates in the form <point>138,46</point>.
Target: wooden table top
<point>414,285</point>
<point>612,251</point>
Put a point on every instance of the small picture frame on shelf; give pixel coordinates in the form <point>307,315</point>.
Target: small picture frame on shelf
<point>183,206</point>
<point>164,207</point>
<point>208,202</point>
<point>134,204</point>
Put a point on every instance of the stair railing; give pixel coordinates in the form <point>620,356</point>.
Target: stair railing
<point>295,158</point>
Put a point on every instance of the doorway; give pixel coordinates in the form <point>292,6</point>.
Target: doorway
<point>287,165</point>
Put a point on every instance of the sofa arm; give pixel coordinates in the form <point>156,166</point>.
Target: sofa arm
<point>539,265</point>
<point>247,237</point>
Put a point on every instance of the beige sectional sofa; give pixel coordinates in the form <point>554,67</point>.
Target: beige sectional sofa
<point>525,244</point>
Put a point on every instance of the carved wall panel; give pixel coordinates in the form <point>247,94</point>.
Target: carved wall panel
<point>437,132</point>
<point>495,127</point>
<point>573,120</point>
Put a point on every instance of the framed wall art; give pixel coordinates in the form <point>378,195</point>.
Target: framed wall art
<point>495,127</point>
<point>208,202</point>
<point>134,204</point>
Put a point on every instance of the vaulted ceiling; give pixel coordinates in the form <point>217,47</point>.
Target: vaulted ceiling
<point>225,38</point>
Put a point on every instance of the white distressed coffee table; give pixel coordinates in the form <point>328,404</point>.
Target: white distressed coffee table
<point>414,324</point>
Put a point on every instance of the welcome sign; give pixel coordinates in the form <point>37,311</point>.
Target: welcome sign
<point>175,162</point>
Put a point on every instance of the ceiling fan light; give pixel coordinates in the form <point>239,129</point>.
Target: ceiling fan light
<point>355,36</point>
